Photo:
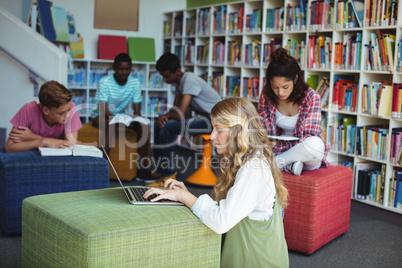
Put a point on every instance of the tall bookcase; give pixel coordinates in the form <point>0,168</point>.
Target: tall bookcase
<point>217,42</point>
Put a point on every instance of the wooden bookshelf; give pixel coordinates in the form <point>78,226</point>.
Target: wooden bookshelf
<point>307,28</point>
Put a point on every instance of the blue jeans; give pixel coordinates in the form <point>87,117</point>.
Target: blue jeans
<point>165,139</point>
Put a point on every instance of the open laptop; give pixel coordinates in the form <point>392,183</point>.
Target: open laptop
<point>135,194</point>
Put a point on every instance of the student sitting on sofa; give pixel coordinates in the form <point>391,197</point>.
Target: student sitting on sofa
<point>192,92</point>
<point>289,107</point>
<point>53,122</point>
<point>114,95</point>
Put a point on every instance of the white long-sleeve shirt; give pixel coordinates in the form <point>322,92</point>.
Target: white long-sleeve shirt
<point>252,195</point>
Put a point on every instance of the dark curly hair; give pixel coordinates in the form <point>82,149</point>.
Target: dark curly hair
<point>122,57</point>
<point>168,62</point>
<point>284,65</point>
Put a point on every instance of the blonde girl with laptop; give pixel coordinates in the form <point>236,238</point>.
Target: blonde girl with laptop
<point>249,195</point>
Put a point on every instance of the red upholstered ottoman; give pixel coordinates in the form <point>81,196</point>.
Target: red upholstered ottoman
<point>319,207</point>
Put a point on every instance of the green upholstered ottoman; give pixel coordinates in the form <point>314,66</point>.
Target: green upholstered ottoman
<point>99,228</point>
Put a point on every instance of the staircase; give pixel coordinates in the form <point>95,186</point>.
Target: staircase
<point>26,59</point>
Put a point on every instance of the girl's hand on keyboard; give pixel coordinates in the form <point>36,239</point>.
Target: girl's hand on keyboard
<point>174,185</point>
<point>180,195</point>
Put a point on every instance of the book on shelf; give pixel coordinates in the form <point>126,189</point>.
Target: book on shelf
<point>233,86</point>
<point>338,89</point>
<point>127,119</point>
<point>385,101</point>
<point>396,193</point>
<point>369,182</point>
<point>381,13</point>
<point>396,148</point>
<point>76,150</point>
<point>60,23</point>
<point>46,20</point>
<point>178,25</point>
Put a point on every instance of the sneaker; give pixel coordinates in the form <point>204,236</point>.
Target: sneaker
<point>296,168</point>
<point>161,181</point>
<point>145,176</point>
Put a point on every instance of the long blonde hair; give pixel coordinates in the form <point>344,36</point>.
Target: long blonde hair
<point>246,138</point>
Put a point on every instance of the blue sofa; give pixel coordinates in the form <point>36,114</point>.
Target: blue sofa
<point>28,173</point>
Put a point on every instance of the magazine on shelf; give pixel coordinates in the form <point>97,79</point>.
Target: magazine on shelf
<point>283,138</point>
<point>76,150</point>
<point>127,119</point>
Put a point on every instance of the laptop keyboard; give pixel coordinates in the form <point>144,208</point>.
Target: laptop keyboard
<point>137,193</point>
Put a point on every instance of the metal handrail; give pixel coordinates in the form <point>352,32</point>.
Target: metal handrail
<point>33,76</point>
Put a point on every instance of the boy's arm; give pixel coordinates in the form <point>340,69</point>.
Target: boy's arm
<point>178,111</point>
<point>136,107</point>
<point>180,107</point>
<point>71,137</point>
<point>32,144</point>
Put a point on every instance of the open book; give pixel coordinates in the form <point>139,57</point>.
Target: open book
<point>283,138</point>
<point>77,150</point>
<point>127,119</point>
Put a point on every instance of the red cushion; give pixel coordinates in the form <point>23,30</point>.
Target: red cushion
<point>319,207</point>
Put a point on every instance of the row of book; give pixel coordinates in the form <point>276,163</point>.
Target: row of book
<point>344,96</point>
<point>380,51</point>
<point>296,16</point>
<point>178,25</point>
<point>399,59</point>
<point>251,86</point>
<point>235,22</point>
<point>381,12</point>
<point>155,80</point>
<point>348,53</point>
<point>377,99</point>
<point>157,106</point>
<point>83,105</point>
<point>253,21</point>
<point>218,52</point>
<point>369,182</point>
<point>167,28</point>
<point>321,15</point>
<point>252,53</point>
<point>320,52</point>
<point>217,82</point>
<point>345,13</point>
<point>372,141</point>
<point>220,20</point>
<point>189,51</point>
<point>274,19</point>
<point>77,76</point>
<point>350,14</point>
<point>396,109</point>
<point>270,47</point>
<point>190,26</point>
<point>323,89</point>
<point>204,21</point>
<point>232,86</point>
<point>341,135</point>
<point>395,189</point>
<point>395,156</point>
<point>297,49</point>
<point>234,52</point>
<point>202,53</point>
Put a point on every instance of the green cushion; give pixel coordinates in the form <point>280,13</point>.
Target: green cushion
<point>99,228</point>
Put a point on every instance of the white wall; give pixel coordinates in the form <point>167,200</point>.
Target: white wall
<point>15,87</point>
<point>149,24</point>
